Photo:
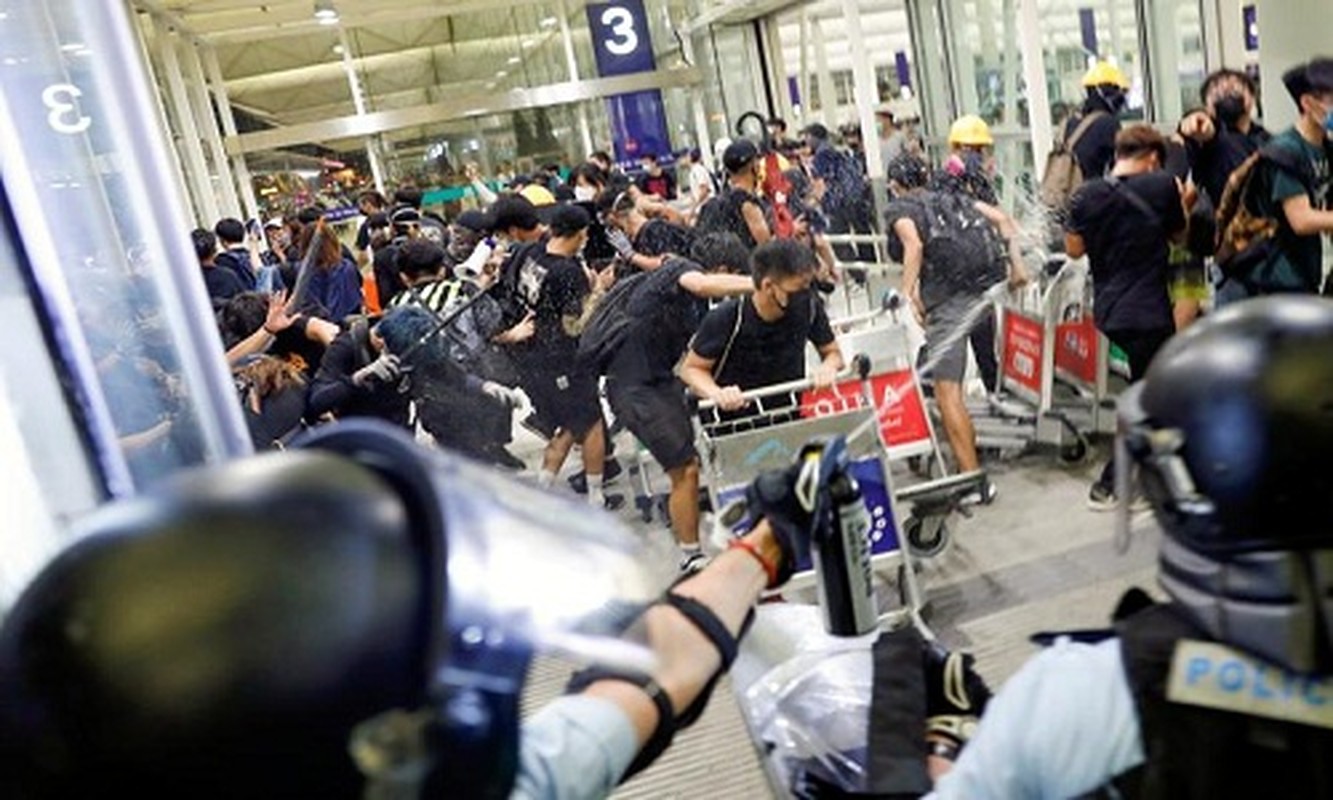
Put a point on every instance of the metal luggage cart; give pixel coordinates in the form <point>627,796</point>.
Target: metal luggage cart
<point>1053,370</point>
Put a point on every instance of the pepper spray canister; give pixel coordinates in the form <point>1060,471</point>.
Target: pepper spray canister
<point>841,551</point>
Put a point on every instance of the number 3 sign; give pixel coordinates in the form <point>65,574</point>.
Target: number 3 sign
<point>64,116</point>
<point>620,36</point>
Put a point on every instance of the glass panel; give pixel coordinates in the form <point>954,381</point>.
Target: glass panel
<point>85,169</point>
<point>1075,33</point>
<point>1178,57</point>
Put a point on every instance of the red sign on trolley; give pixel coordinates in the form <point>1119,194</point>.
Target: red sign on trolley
<point>1023,342</point>
<point>902,418</point>
<point>1076,348</point>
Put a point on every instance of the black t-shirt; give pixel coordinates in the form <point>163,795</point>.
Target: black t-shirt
<point>1095,150</point>
<point>1213,163</point>
<point>293,343</point>
<point>761,353</point>
<point>665,317</point>
<point>723,214</point>
<point>553,287</point>
<point>658,237</point>
<point>222,284</point>
<point>1126,225</point>
<point>964,254</point>
<point>280,414</point>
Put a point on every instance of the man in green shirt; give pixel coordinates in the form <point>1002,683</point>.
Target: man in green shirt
<point>1292,187</point>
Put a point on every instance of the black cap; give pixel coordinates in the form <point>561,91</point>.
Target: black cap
<point>514,211</point>
<point>739,154</point>
<point>404,214</point>
<point>475,220</point>
<point>568,219</point>
<point>816,130</point>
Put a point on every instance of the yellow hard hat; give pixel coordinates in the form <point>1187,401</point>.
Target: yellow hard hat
<point>1104,73</point>
<point>537,194</point>
<point>970,129</point>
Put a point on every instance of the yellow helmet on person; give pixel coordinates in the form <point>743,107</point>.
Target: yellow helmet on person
<point>970,130</point>
<point>1104,73</point>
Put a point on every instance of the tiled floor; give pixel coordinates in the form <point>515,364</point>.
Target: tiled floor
<point>1037,559</point>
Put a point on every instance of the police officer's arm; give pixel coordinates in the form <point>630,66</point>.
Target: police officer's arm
<point>754,220</point>
<point>913,256</point>
<point>729,586</point>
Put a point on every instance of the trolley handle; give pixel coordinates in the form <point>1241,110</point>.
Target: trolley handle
<point>859,368</point>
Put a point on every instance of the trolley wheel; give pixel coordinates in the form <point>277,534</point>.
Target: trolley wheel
<point>1074,453</point>
<point>927,536</point>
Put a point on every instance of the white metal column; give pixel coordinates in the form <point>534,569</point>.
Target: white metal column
<point>197,86</point>
<point>359,103</point>
<point>865,90</point>
<point>147,28</point>
<point>702,135</point>
<point>1034,75</point>
<point>187,132</point>
<point>828,96</point>
<point>240,169</point>
<point>572,61</point>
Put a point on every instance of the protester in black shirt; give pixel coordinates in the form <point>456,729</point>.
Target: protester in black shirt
<point>273,396</point>
<point>252,323</point>
<point>644,243</point>
<point>749,343</point>
<point>1125,223</point>
<point>1106,87</point>
<point>360,374</point>
<point>655,180</point>
<point>738,208</point>
<point>235,255</point>
<point>371,204</point>
<point>642,386</point>
<point>221,283</point>
<point>552,281</point>
<point>1222,134</point>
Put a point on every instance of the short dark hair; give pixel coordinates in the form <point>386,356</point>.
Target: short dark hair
<point>205,243</point>
<point>309,215</point>
<point>230,230</point>
<point>408,195</point>
<point>649,157</point>
<point>777,122</point>
<point>1135,141</point>
<point>418,258</point>
<point>590,172</point>
<point>568,220</point>
<point>1217,76</point>
<point>601,155</point>
<point>720,250</point>
<point>782,258</point>
<point>374,197</point>
<point>514,211</point>
<point>241,316</point>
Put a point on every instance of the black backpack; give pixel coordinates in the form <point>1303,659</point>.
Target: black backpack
<point>964,253</point>
<point>608,326</point>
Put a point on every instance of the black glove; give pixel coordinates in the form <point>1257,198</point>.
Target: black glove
<point>956,697</point>
<point>772,495</point>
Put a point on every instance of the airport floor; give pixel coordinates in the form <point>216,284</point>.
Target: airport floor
<point>1036,559</point>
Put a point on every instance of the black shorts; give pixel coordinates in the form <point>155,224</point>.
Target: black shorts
<point>567,402</point>
<point>659,416</point>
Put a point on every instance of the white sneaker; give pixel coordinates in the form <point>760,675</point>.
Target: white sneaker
<point>983,496</point>
<point>691,563</point>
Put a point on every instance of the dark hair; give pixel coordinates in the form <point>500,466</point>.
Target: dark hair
<point>601,155</point>
<point>1217,76</point>
<point>782,258</point>
<point>1138,140</point>
<point>652,157</point>
<point>514,211</point>
<point>374,197</point>
<point>568,220</point>
<point>205,243</point>
<point>590,173</point>
<point>418,258</point>
<point>241,316</point>
<point>408,195</point>
<point>230,230</point>
<point>720,251</point>
<point>310,215</point>
<point>777,122</point>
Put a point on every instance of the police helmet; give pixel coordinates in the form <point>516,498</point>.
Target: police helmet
<point>1231,430</point>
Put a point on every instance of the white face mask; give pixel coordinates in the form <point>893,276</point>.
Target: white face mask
<point>585,194</point>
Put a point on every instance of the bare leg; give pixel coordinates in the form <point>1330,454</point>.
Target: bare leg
<point>957,424</point>
<point>557,450</point>
<point>684,502</point>
<point>593,447</point>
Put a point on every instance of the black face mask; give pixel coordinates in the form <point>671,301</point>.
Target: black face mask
<point>1230,109</point>
<point>1114,99</point>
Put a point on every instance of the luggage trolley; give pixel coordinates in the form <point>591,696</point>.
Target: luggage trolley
<point>1053,362</point>
<point>905,426</point>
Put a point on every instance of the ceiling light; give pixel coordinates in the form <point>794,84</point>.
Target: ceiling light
<point>515,60</point>
<point>501,74</point>
<point>325,12</point>
<point>550,22</point>
<point>529,43</point>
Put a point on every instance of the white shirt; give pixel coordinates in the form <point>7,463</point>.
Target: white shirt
<point>1063,726</point>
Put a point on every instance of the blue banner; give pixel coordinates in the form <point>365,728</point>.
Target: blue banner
<point>1250,18</point>
<point>903,68</point>
<point>1087,23</point>
<point>622,46</point>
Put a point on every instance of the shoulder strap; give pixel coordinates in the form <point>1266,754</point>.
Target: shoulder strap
<point>736,329</point>
<point>1083,126</point>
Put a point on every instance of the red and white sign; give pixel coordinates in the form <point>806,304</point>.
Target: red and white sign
<point>902,417</point>
<point>1076,349</point>
<point>1023,343</point>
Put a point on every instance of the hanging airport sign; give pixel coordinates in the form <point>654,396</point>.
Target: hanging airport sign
<point>622,46</point>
